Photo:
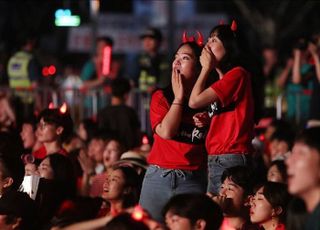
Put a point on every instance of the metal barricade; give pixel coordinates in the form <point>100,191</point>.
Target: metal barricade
<point>83,104</point>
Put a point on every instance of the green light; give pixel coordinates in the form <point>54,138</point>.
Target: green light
<point>66,20</point>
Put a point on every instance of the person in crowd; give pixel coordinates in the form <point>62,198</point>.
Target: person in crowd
<point>28,136</point>
<point>96,75</point>
<point>92,73</point>
<point>7,114</point>
<point>111,154</point>
<point>150,67</point>
<point>300,82</point>
<point>17,211</point>
<point>54,127</point>
<point>277,172</point>
<point>281,142</point>
<point>120,119</point>
<point>57,183</point>
<point>236,189</point>
<point>87,129</point>
<point>199,212</point>
<point>303,167</point>
<point>271,72</point>
<point>269,205</point>
<point>229,139</point>
<point>91,160</point>
<point>120,191</point>
<point>296,214</point>
<point>178,157</point>
<point>24,73</point>
<point>314,112</point>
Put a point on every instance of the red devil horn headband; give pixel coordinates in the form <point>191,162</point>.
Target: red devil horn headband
<point>192,39</point>
<point>234,26</point>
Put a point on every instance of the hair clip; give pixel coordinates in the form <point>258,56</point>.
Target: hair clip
<point>192,38</point>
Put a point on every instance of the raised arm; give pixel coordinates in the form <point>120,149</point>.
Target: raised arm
<point>314,52</point>
<point>201,96</point>
<point>170,124</point>
<point>296,75</point>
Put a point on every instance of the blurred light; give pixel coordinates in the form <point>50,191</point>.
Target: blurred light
<point>137,213</point>
<point>73,20</point>
<point>67,12</point>
<point>59,13</point>
<point>145,140</point>
<point>63,108</point>
<point>51,105</point>
<point>45,71</point>
<point>94,7</point>
<point>106,62</point>
<point>52,70</point>
<point>262,137</point>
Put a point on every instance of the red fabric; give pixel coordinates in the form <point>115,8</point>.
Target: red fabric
<point>182,152</point>
<point>232,127</point>
<point>42,152</point>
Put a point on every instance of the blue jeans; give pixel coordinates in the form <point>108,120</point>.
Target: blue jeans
<point>216,166</point>
<point>160,184</point>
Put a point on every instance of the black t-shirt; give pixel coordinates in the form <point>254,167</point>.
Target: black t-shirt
<point>123,122</point>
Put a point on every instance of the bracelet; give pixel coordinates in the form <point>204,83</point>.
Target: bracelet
<point>175,103</point>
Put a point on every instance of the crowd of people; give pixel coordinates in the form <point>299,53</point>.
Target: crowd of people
<point>208,165</point>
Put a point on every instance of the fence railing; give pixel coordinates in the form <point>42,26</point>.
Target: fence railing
<point>81,104</point>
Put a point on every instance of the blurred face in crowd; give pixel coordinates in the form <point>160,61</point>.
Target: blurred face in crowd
<point>278,148</point>
<point>82,132</point>
<point>111,153</point>
<point>114,186</point>
<point>47,132</point>
<point>176,222</point>
<point>234,195</point>
<point>274,175</point>
<point>28,136</point>
<point>45,169</point>
<point>95,149</point>
<point>303,168</point>
<point>261,211</point>
<point>149,44</point>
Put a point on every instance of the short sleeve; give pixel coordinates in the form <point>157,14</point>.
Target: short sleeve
<point>158,108</point>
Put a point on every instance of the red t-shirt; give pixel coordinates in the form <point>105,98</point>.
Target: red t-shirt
<point>185,151</point>
<point>232,124</point>
<point>42,152</point>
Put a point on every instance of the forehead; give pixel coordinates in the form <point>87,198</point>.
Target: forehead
<point>185,49</point>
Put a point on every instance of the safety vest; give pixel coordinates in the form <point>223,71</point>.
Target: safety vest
<point>18,70</point>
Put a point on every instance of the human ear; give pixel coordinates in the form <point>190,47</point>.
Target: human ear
<point>59,130</point>
<point>8,181</point>
<point>277,211</point>
<point>200,224</point>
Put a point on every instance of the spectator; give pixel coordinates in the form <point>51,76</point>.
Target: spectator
<point>229,139</point>
<point>269,206</point>
<point>178,157</point>
<point>54,127</point>
<point>24,74</point>
<point>303,167</point>
<point>235,191</point>
<point>18,211</point>
<point>277,172</point>
<point>120,119</point>
<point>199,212</point>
